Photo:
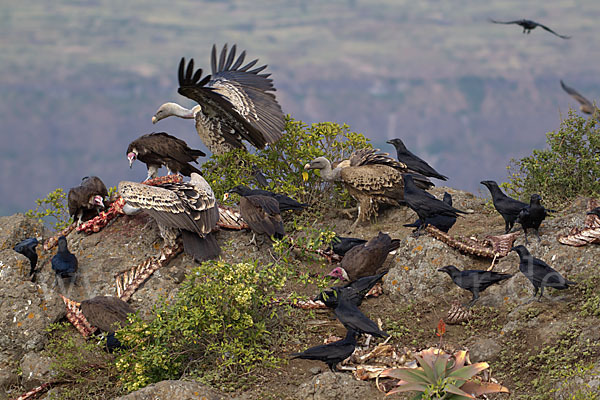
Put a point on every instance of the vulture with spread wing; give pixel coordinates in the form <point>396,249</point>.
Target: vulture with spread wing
<point>158,149</point>
<point>87,200</point>
<point>587,107</point>
<point>235,103</point>
<point>189,207</point>
<point>372,178</point>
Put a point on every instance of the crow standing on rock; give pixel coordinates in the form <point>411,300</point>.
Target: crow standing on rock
<point>27,248</point>
<point>539,273</point>
<point>64,263</point>
<point>508,207</point>
<point>531,216</point>
<point>475,281</point>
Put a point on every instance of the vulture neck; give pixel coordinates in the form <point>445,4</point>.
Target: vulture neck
<point>183,112</point>
<point>330,174</point>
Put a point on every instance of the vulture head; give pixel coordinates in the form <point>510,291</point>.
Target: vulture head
<point>324,166</point>
<point>339,273</point>
<point>96,201</point>
<point>131,156</point>
<point>169,109</point>
<point>318,163</point>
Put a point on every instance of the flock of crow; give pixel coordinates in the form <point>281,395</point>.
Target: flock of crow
<point>236,104</point>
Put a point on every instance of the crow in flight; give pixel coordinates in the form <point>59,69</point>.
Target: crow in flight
<point>475,281</point>
<point>528,25</point>
<point>508,207</point>
<point>532,215</point>
<point>332,353</point>
<point>539,273</point>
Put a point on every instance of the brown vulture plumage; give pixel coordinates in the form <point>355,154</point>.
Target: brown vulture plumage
<point>587,106</point>
<point>158,149</point>
<point>365,259</point>
<point>234,103</point>
<point>107,313</point>
<point>189,207</point>
<point>372,178</point>
<point>87,200</point>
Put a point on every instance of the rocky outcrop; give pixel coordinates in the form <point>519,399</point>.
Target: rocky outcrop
<point>171,390</point>
<point>337,386</point>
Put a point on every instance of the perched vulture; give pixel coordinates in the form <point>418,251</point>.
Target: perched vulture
<point>234,103</point>
<point>341,245</point>
<point>587,107</point>
<point>107,313</point>
<point>261,213</point>
<point>64,263</point>
<point>370,177</point>
<point>365,259</point>
<point>27,248</point>
<point>189,207</point>
<point>87,200</point>
<point>285,202</point>
<point>160,148</point>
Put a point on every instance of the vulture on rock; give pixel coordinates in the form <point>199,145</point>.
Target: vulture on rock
<point>235,103</point>
<point>372,178</point>
<point>365,259</point>
<point>108,314</point>
<point>87,200</point>
<point>160,148</point>
<point>189,207</point>
<point>261,213</point>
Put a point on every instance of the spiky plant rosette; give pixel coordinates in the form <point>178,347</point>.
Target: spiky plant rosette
<point>442,376</point>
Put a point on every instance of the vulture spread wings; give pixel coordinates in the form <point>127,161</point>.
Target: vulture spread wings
<point>586,106</point>
<point>189,206</point>
<point>235,102</point>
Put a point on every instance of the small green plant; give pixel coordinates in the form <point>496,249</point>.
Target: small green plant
<point>84,368</point>
<point>569,167</point>
<point>54,207</point>
<point>218,328</point>
<point>283,162</point>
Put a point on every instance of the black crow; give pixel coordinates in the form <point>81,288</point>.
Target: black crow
<point>64,263</point>
<point>350,315</point>
<point>354,291</point>
<point>587,107</point>
<point>424,203</point>
<point>475,281</point>
<point>441,222</point>
<point>341,245</point>
<point>413,162</point>
<point>594,211</point>
<point>528,25</point>
<point>539,273</point>
<point>508,207</point>
<point>27,248</point>
<point>332,353</point>
<point>285,202</point>
<point>365,259</point>
<point>532,216</point>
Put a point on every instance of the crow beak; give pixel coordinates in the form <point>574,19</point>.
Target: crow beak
<point>441,270</point>
<point>512,249</point>
<point>389,142</point>
<point>154,119</point>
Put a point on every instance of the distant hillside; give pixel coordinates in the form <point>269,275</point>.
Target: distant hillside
<point>80,80</point>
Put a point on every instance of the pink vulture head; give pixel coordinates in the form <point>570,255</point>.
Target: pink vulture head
<point>98,201</point>
<point>131,156</point>
<point>339,273</point>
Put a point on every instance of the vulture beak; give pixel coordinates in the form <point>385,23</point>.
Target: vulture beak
<point>225,196</point>
<point>131,157</point>
<point>307,166</point>
<point>154,119</point>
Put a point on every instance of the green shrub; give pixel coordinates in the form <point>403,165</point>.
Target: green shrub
<point>569,167</point>
<point>216,330</point>
<point>283,162</point>
<point>53,206</point>
<point>84,368</point>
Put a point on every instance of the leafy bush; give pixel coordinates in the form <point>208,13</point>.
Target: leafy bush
<point>569,167</point>
<point>283,162</point>
<point>216,329</point>
<point>55,206</point>
<point>83,368</point>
